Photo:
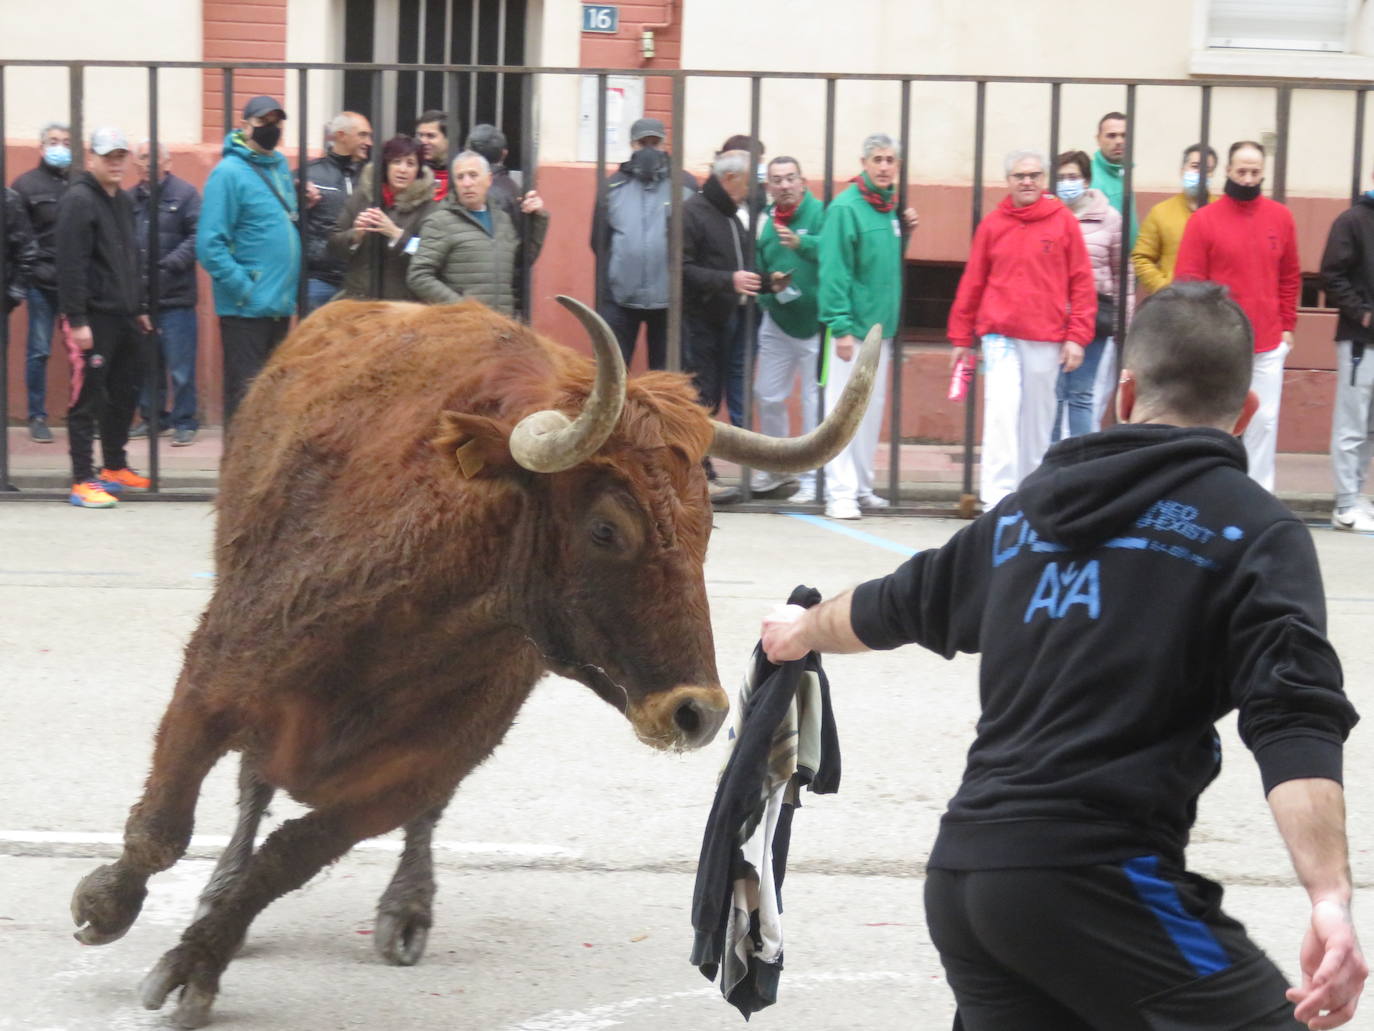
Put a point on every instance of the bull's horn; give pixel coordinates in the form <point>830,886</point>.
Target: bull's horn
<point>802,454</point>
<point>548,441</point>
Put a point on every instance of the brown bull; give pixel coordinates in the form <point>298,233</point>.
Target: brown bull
<point>410,534</point>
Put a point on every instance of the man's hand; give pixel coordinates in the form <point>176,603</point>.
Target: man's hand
<point>784,634</point>
<point>911,219</point>
<point>145,323</point>
<point>787,238</point>
<point>531,202</point>
<point>312,194</point>
<point>1333,968</point>
<point>780,280</point>
<point>844,347</point>
<point>1070,355</point>
<point>958,354</point>
<point>81,336</point>
<point>746,283</point>
<point>1365,318</point>
<point>1288,336</point>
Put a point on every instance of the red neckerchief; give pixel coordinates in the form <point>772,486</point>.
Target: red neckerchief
<point>440,183</point>
<point>874,196</point>
<point>388,196</point>
<point>782,216</point>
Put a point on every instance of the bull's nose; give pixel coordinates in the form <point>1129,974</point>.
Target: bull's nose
<point>697,723</point>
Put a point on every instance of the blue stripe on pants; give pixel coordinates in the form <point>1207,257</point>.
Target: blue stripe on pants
<point>1193,938</point>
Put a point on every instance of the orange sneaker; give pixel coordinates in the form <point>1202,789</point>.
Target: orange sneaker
<point>91,494</point>
<point>125,477</point>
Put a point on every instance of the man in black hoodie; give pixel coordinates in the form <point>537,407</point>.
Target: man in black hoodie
<point>101,299</point>
<point>1134,590</point>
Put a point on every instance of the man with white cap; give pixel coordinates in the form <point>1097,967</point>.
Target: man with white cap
<point>248,243</point>
<point>101,300</point>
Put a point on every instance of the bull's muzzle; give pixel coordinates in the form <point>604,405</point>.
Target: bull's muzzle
<point>682,718</point>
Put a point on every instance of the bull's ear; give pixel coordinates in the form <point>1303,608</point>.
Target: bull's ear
<point>477,445</point>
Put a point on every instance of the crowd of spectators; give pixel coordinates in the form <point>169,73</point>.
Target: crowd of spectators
<point>764,263</point>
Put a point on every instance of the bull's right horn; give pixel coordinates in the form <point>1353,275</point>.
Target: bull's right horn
<point>802,454</point>
<point>548,441</point>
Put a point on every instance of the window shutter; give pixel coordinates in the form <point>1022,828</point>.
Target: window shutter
<point>1279,24</point>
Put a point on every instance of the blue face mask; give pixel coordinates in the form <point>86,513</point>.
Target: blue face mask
<point>56,155</point>
<point>1190,180</point>
<point>1069,190</point>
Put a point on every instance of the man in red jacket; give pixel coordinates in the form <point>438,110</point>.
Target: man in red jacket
<point>1027,294</point>
<point>1249,244</point>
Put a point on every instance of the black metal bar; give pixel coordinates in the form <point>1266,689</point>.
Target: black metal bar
<point>828,192</point>
<point>967,500</point>
<point>375,250</point>
<point>302,208</point>
<point>1204,135</point>
<point>600,257</point>
<point>750,312</point>
<point>894,430</point>
<point>230,115</point>
<point>1283,122</point>
<point>4,316</point>
<point>77,102</point>
<point>1052,173</point>
<point>1127,220</point>
<point>155,373</point>
<point>675,228</point>
<point>529,149</point>
<point>1357,162</point>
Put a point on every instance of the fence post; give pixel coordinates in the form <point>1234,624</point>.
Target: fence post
<point>601,257</point>
<point>894,430</point>
<point>1357,163</point>
<point>750,310</point>
<point>4,315</point>
<point>375,250</point>
<point>968,500</point>
<point>1127,221</point>
<point>302,209</point>
<point>1203,137</point>
<point>828,191</point>
<point>675,227</point>
<point>1282,117</point>
<point>155,373</point>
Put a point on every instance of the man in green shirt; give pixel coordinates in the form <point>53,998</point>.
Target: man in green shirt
<point>1109,168</point>
<point>789,340</point>
<point>861,287</point>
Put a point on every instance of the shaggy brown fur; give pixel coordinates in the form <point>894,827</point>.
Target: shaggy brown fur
<point>380,617</point>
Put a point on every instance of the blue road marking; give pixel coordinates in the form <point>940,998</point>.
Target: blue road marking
<point>858,535</point>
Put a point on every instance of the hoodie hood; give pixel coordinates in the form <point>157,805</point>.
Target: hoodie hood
<point>1090,488</point>
<point>1043,207</point>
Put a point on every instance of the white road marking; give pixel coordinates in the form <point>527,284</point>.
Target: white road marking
<point>523,850</point>
<point>598,1018</point>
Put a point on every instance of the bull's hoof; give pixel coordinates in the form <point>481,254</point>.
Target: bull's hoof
<point>401,934</point>
<point>198,978</point>
<point>106,903</point>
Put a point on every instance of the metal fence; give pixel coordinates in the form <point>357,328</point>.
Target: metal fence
<point>529,80</point>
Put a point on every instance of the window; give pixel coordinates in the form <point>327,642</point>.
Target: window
<point>1321,25</point>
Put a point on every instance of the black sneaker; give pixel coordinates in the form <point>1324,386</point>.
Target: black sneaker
<point>38,430</point>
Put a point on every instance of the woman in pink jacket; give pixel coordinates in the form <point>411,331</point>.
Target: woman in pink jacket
<point>1101,225</point>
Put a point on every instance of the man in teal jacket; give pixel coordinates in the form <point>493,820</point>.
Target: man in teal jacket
<point>861,287</point>
<point>248,243</point>
<point>789,254</point>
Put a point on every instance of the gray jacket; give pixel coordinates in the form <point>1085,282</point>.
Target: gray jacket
<point>458,260</point>
<point>630,238</point>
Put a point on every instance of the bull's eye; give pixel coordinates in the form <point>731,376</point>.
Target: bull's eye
<point>603,533</point>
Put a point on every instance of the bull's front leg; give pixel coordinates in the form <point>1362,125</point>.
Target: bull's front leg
<point>254,795</point>
<point>405,911</point>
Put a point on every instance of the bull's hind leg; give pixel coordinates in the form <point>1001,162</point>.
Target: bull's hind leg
<point>405,911</point>
<point>189,742</point>
<point>287,858</point>
<point>254,795</point>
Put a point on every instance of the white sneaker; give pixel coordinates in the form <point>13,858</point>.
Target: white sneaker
<point>805,495</point>
<point>762,483</point>
<point>842,508</point>
<point>873,502</point>
<point>1354,519</point>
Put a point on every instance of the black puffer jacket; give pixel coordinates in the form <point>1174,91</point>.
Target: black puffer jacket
<point>178,212</point>
<point>20,251</point>
<point>336,178</point>
<point>97,258</point>
<point>1348,270</point>
<point>41,189</point>
<point>714,247</point>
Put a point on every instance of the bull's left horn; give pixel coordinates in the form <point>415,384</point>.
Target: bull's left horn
<point>814,449</point>
<point>548,441</point>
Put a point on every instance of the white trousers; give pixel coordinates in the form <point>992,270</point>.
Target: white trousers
<point>781,358</point>
<point>849,475</point>
<point>1019,378</point>
<point>1262,435</point>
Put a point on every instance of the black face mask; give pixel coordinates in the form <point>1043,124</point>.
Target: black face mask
<point>1236,191</point>
<point>266,136</point>
<point>646,163</point>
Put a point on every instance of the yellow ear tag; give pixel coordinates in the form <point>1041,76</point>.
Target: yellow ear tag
<point>470,460</point>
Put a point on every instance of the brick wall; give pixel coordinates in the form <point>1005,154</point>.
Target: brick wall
<point>254,31</point>
<point>622,50</point>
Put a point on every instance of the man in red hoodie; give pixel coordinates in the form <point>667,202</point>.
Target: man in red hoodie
<point>1249,243</point>
<point>1027,295</point>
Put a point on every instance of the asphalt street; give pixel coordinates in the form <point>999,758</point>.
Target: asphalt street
<point>565,863</point>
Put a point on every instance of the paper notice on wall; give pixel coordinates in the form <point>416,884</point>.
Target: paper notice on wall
<point>624,105</point>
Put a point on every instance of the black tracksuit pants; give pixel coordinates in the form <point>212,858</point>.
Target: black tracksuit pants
<point>105,382</point>
<point>247,344</point>
<point>1131,946</point>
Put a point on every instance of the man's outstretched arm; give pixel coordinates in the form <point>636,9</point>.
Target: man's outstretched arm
<point>1310,813</point>
<point>790,631</point>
